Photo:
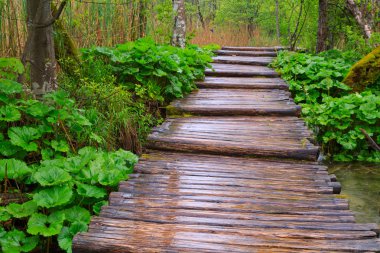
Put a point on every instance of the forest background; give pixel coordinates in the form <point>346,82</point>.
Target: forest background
<point>240,23</point>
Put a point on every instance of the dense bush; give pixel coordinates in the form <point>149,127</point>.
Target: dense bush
<point>51,182</point>
<point>329,107</point>
<point>128,84</point>
<point>155,71</point>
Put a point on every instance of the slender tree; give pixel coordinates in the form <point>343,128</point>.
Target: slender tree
<point>322,26</point>
<point>278,20</point>
<point>179,30</point>
<point>360,19</point>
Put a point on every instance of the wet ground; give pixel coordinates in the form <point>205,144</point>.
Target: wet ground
<point>361,185</point>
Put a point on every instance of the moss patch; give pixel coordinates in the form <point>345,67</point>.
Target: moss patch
<point>364,72</point>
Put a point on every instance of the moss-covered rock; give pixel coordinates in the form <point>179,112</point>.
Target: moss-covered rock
<point>364,72</point>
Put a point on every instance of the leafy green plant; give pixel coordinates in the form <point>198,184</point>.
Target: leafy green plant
<point>45,160</point>
<point>329,106</point>
<point>162,71</point>
<point>126,87</point>
<point>339,121</point>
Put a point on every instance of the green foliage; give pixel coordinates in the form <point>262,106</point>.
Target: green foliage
<point>43,154</point>
<point>125,87</point>
<point>335,113</point>
<point>156,71</point>
<point>312,76</point>
<point>10,68</point>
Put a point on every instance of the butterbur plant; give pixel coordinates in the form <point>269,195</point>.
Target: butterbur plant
<point>158,72</point>
<point>331,109</point>
<point>51,182</point>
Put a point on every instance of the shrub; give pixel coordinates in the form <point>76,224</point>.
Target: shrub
<point>50,181</point>
<point>128,84</point>
<point>329,107</point>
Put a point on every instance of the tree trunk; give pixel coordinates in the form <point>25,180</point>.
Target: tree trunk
<point>201,19</point>
<point>142,19</point>
<point>360,19</point>
<point>40,47</point>
<point>322,26</point>
<point>278,20</point>
<point>179,31</point>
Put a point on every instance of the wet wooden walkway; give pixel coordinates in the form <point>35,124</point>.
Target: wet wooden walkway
<point>232,170</point>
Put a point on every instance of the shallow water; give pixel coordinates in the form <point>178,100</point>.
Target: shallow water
<point>361,186</point>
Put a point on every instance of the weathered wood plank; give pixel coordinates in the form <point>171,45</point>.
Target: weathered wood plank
<point>268,49</point>
<point>242,83</point>
<point>264,136</point>
<point>166,236</point>
<point>246,53</point>
<point>336,222</point>
<point>254,61</point>
<point>224,102</point>
<point>228,70</point>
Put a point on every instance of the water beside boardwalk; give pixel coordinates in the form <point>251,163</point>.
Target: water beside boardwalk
<point>361,185</point>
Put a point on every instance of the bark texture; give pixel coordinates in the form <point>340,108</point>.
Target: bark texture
<point>179,30</point>
<point>360,19</point>
<point>39,51</point>
<point>322,26</point>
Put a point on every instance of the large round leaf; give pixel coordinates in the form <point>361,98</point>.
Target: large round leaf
<point>16,241</point>
<point>40,224</point>
<point>77,214</point>
<point>13,169</point>
<point>53,196</point>
<point>9,113</point>
<point>91,191</point>
<point>22,210</point>
<point>24,137</point>
<point>49,176</point>
<point>10,87</point>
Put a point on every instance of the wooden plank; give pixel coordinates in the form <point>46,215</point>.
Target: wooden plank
<point>268,49</point>
<point>224,102</point>
<point>167,236</point>
<point>254,61</point>
<point>273,220</point>
<point>246,53</point>
<point>238,70</point>
<point>242,83</point>
<point>229,220</point>
<point>96,242</point>
<point>264,136</point>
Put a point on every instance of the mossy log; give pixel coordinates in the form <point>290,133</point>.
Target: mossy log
<point>364,72</point>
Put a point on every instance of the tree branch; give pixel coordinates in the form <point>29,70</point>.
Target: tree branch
<point>371,142</point>
<point>56,16</point>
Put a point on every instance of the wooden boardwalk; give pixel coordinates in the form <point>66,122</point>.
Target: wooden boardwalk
<point>233,169</point>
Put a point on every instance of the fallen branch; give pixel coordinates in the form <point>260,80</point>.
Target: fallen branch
<point>371,142</point>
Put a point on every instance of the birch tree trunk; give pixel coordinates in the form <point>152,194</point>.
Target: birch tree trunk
<point>39,50</point>
<point>360,19</point>
<point>322,26</point>
<point>179,30</point>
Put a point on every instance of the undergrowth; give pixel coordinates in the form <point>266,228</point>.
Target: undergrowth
<point>60,156</point>
<point>329,107</point>
<point>129,84</point>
